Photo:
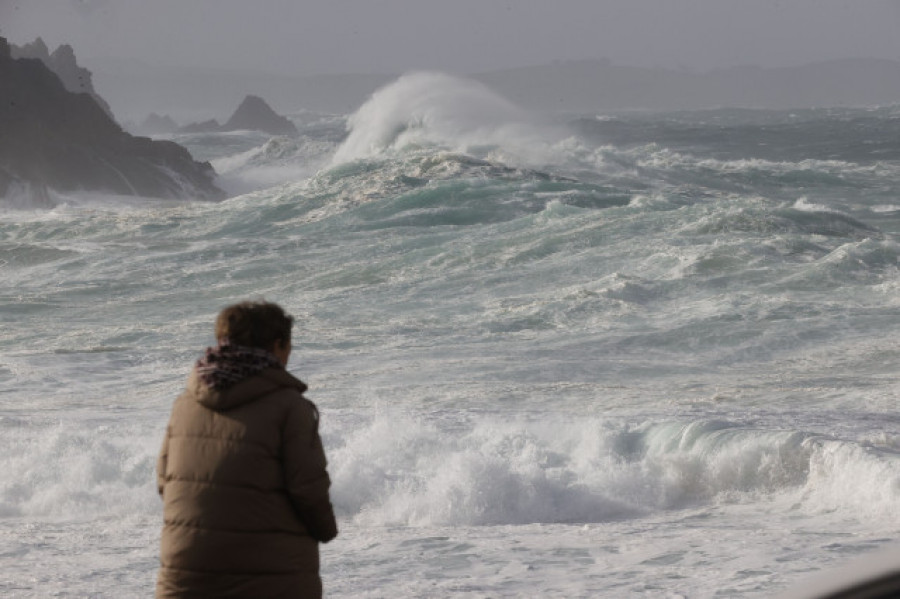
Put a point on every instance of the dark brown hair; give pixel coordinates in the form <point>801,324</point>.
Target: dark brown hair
<point>254,324</point>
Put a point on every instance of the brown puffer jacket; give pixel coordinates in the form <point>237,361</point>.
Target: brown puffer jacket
<point>245,491</point>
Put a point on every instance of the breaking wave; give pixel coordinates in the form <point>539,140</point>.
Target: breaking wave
<point>401,469</point>
<point>437,110</point>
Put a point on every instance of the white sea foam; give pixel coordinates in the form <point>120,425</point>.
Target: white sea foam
<point>663,159</point>
<point>845,476</point>
<point>804,205</point>
<point>279,160</point>
<point>398,469</point>
<point>71,471</point>
<point>401,469</point>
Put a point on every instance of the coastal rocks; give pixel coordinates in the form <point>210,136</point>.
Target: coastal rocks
<point>62,61</point>
<point>253,114</point>
<point>53,138</point>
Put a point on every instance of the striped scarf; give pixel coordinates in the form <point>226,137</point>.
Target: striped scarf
<point>227,364</point>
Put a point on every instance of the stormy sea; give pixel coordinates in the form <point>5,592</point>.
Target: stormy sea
<point>582,355</point>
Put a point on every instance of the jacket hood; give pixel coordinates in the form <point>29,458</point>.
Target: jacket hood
<point>245,391</point>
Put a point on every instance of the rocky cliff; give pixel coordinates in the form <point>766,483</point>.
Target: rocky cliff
<point>53,138</point>
<point>62,62</point>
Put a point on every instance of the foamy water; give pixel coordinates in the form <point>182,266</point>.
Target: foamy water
<point>641,355</point>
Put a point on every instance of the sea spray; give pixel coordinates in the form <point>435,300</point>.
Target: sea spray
<point>438,110</point>
<point>76,470</point>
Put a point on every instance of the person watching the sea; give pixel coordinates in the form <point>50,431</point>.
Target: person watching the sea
<point>242,472</point>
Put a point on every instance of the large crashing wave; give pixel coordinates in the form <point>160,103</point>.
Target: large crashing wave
<point>439,110</point>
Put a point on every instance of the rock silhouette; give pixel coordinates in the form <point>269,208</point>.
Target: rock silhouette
<point>62,62</point>
<point>253,114</point>
<point>54,138</point>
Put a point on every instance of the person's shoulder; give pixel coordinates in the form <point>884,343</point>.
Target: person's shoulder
<point>190,392</point>
<point>284,380</point>
<point>290,390</point>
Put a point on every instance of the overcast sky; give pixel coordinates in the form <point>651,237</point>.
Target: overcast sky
<point>462,36</point>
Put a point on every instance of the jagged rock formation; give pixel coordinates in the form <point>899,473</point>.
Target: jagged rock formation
<point>253,114</point>
<point>54,138</point>
<point>62,62</point>
<point>36,49</point>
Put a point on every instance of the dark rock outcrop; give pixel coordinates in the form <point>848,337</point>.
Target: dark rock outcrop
<point>63,62</point>
<point>252,114</point>
<point>53,138</point>
<point>255,114</point>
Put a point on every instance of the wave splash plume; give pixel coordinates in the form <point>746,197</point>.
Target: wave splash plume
<point>437,110</point>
